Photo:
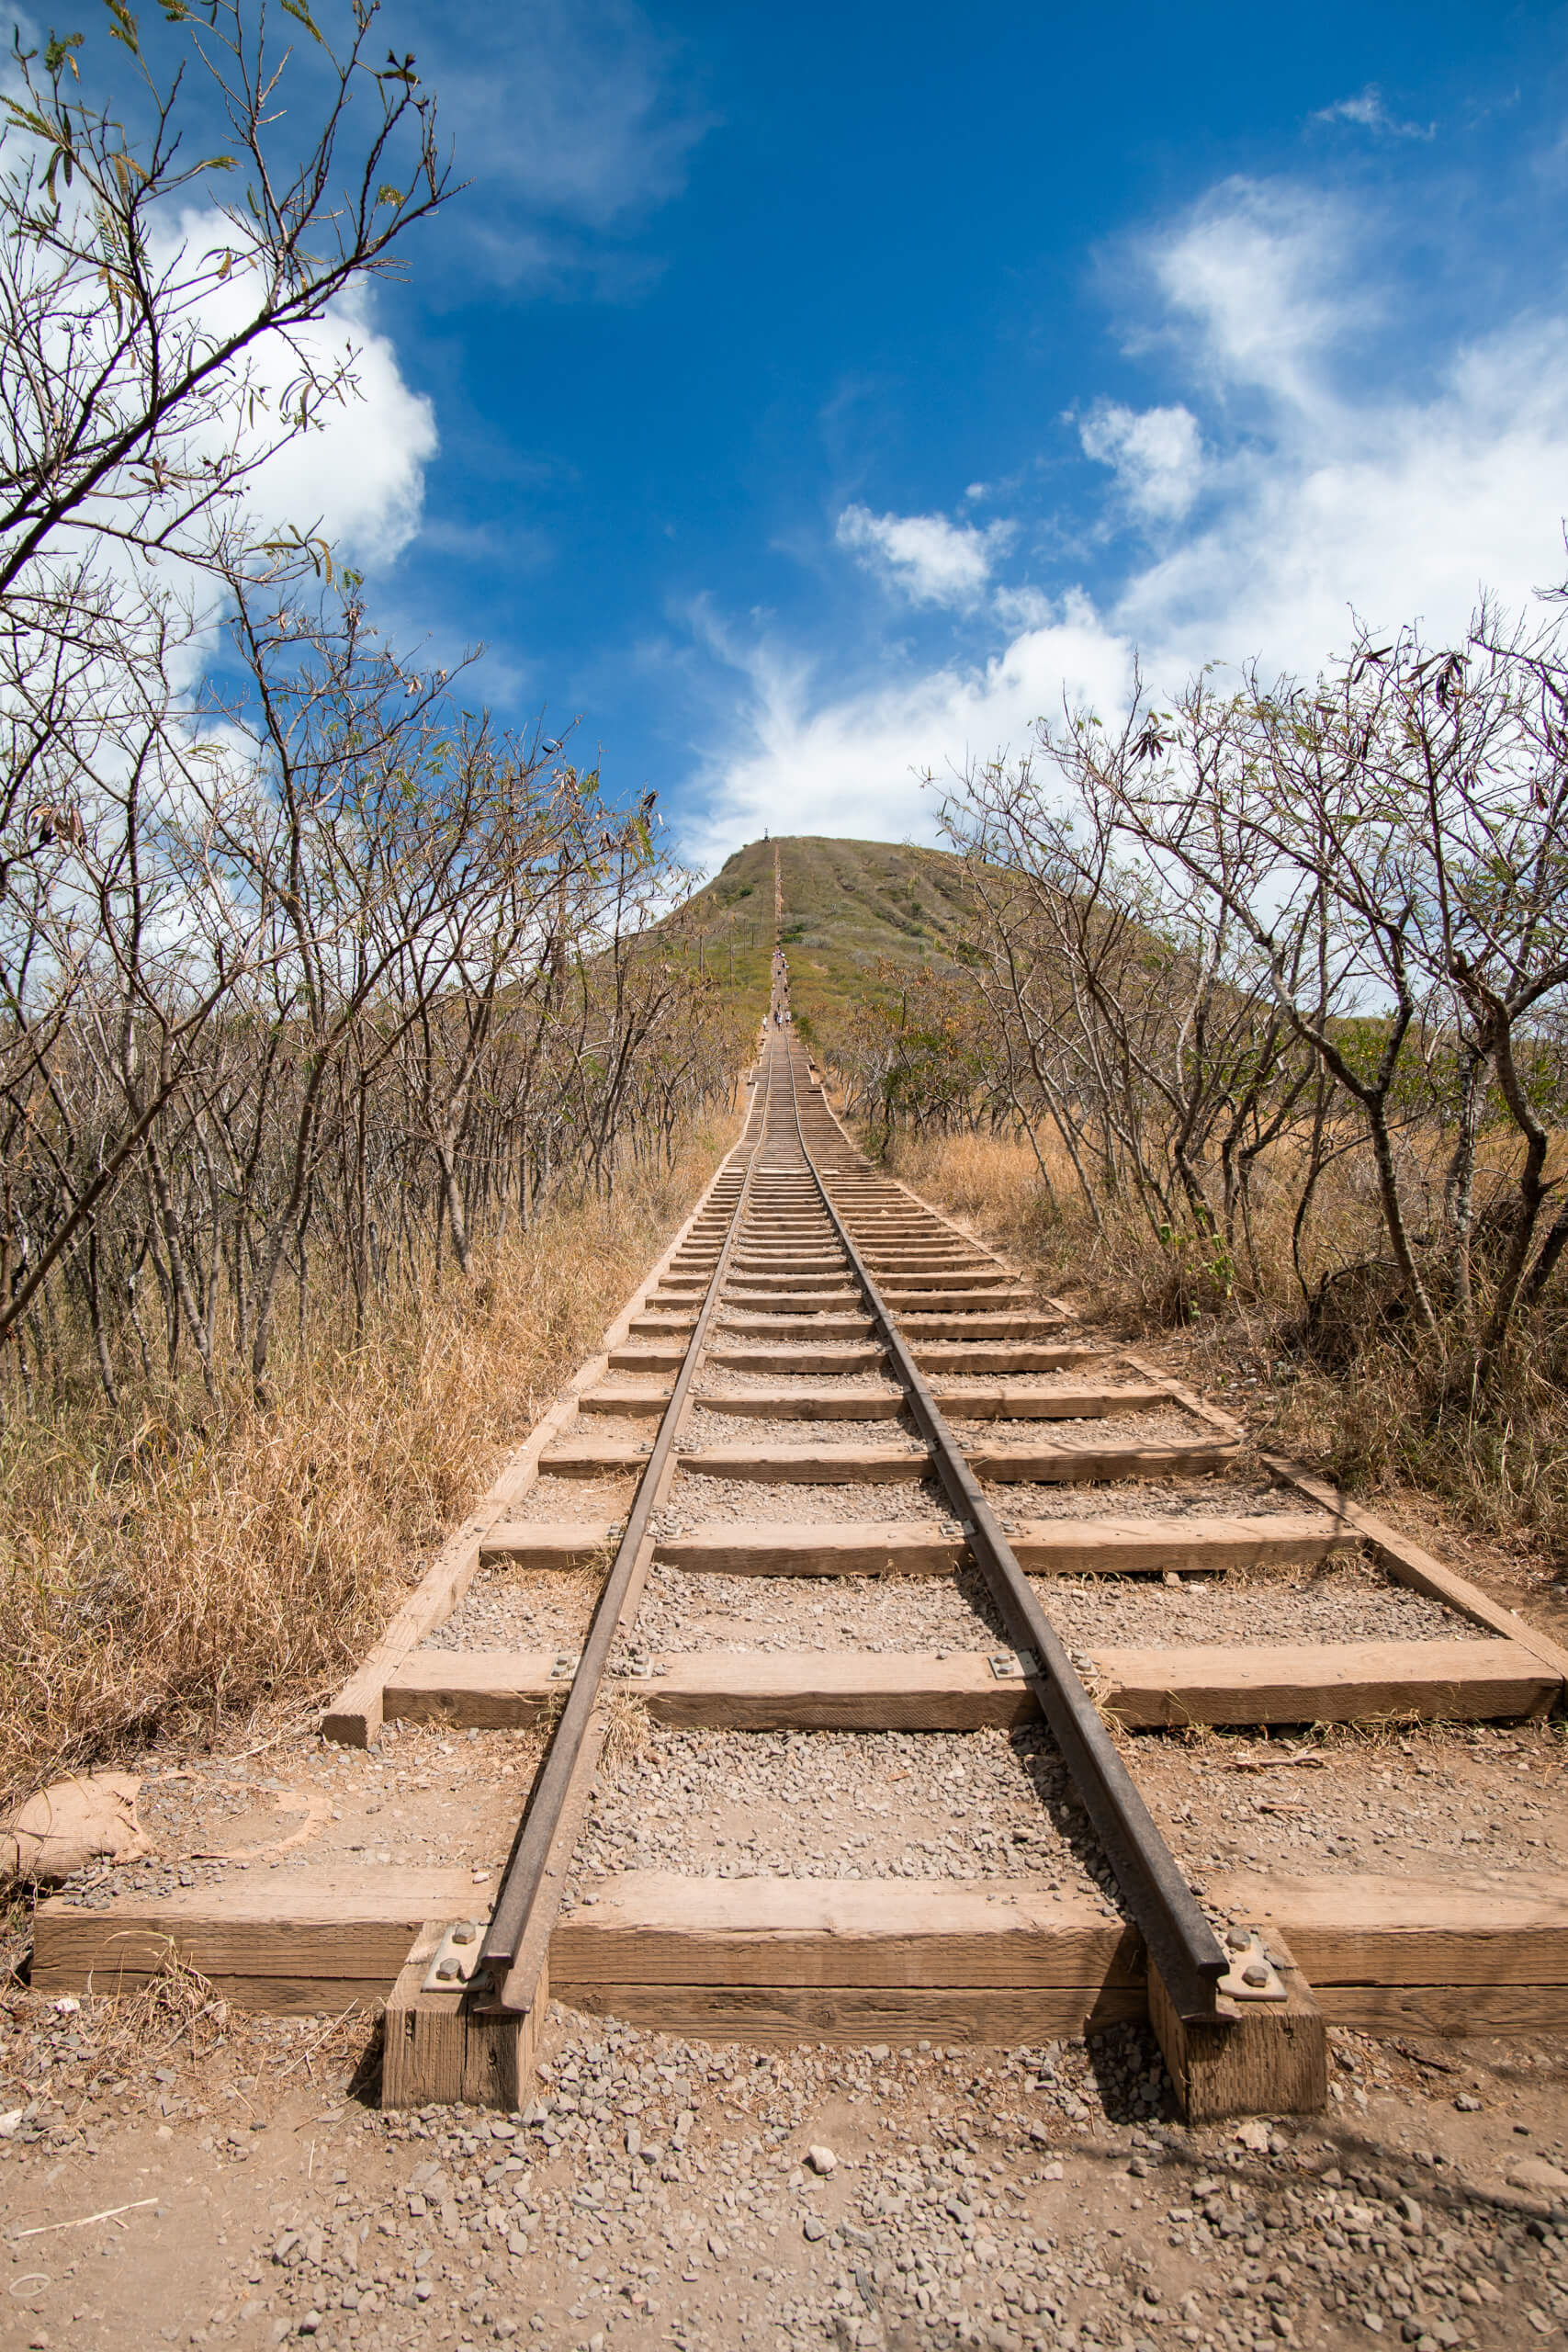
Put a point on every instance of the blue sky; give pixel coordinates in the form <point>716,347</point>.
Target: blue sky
<point>805,397</point>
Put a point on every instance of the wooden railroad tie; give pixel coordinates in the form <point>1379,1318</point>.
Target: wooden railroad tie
<point>781,1959</point>
<point>901,1547</point>
<point>1296,1682</point>
<point>831,1464</point>
<point>1064,1404</point>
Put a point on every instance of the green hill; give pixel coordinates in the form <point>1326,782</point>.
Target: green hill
<point>846,907</point>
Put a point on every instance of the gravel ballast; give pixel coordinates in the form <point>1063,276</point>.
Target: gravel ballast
<point>1426,1801</point>
<point>508,1609</point>
<point>681,1613</point>
<point>1346,1600</point>
<point>696,1503</point>
<point>1209,1496</point>
<point>841,1804</point>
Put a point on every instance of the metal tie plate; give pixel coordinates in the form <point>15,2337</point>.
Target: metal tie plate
<point>1252,1975</point>
<point>457,1959</point>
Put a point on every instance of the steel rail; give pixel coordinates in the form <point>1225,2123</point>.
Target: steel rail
<point>1179,1939</point>
<point>524,1876</point>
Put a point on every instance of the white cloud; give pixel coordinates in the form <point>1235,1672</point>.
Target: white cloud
<point>851,764</point>
<point>932,560</point>
<point>1337,495</point>
<point>1258,287</point>
<point>359,479</point>
<point>362,473</point>
<point>1156,455</point>
<point>1367,110</point>
<point>1321,494</point>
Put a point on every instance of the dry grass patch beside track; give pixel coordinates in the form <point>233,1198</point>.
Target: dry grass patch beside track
<point>167,1572</point>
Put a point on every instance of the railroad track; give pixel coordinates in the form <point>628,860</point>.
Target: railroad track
<point>829,1388</point>
<point>814,1294</point>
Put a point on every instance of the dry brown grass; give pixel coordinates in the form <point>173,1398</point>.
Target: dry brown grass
<point>628,1727</point>
<point>1352,1395</point>
<point>182,1569</point>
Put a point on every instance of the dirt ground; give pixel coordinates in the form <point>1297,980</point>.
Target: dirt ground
<point>172,2173</point>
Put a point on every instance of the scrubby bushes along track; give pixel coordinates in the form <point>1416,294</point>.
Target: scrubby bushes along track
<point>344,1082</point>
<point>173,1562</point>
<point>1269,989</point>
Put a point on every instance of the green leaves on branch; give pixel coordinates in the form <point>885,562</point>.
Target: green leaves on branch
<point>301,16</point>
<point>123,26</point>
<point>57,52</point>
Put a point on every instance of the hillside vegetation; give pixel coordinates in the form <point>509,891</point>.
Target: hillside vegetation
<point>849,910</point>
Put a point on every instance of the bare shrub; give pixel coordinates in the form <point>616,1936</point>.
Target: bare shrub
<point>351,1062</point>
<point>1267,1035</point>
<point>175,1568</point>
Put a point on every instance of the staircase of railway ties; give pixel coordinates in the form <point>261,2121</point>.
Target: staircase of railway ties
<point>789,1334</point>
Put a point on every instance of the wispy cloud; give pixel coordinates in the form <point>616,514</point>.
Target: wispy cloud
<point>925,557</point>
<point>572,131</point>
<point>814,761</point>
<point>1339,490</point>
<point>1259,285</point>
<point>1367,110</point>
<point>1156,455</point>
<point>1322,492</point>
